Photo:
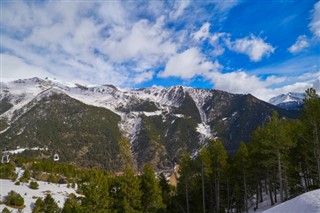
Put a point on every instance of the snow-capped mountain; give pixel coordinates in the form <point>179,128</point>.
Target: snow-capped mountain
<point>289,101</point>
<point>108,127</point>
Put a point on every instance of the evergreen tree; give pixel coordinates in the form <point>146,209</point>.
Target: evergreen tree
<point>165,190</point>
<point>241,163</point>
<point>219,159</point>
<point>311,121</point>
<point>37,208</point>
<point>71,205</point>
<point>151,191</point>
<point>126,192</point>
<point>206,171</point>
<point>5,210</point>
<point>184,189</point>
<point>49,205</point>
<point>95,188</point>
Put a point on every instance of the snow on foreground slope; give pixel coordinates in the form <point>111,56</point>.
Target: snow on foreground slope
<point>308,202</point>
<point>59,192</point>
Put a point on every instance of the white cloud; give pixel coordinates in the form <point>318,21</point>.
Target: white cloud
<point>226,5</point>
<point>243,83</point>
<point>217,40</point>
<point>203,33</point>
<point>252,46</point>
<point>13,66</point>
<point>145,76</point>
<point>315,22</point>
<point>179,8</point>
<point>112,47</point>
<point>299,45</point>
<point>144,41</point>
<point>188,64</point>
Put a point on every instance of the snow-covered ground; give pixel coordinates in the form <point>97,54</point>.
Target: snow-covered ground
<point>308,202</point>
<point>59,192</point>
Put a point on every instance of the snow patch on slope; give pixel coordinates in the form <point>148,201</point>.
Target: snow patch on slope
<point>204,129</point>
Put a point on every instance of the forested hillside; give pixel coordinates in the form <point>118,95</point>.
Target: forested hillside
<point>280,162</point>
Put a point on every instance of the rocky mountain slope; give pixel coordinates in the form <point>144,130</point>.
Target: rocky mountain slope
<point>108,127</point>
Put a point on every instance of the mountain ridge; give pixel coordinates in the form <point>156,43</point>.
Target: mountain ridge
<point>155,124</point>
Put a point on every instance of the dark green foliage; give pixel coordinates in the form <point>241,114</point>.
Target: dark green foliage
<point>311,135</point>
<point>126,192</point>
<point>34,185</point>
<point>58,122</point>
<point>49,205</point>
<point>26,176</point>
<point>14,199</point>
<point>3,124</point>
<point>72,204</point>
<point>5,210</point>
<point>189,108</point>
<point>151,191</point>
<point>7,171</point>
<point>37,208</point>
<point>94,187</point>
<point>5,105</point>
<point>17,183</point>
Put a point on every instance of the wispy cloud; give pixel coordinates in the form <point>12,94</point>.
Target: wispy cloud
<point>315,21</point>
<point>299,45</point>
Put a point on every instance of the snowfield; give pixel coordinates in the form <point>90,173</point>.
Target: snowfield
<point>308,202</point>
<point>59,192</point>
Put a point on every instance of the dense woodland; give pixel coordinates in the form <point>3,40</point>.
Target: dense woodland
<point>281,161</point>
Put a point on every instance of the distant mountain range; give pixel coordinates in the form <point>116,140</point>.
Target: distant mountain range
<point>290,101</point>
<point>108,127</point>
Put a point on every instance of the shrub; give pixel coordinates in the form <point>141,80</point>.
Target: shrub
<point>17,183</point>
<point>5,210</point>
<point>34,185</point>
<point>14,199</point>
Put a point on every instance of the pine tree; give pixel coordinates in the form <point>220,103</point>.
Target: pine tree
<point>37,208</point>
<point>95,188</point>
<point>184,179</point>
<point>71,205</point>
<point>219,159</point>
<point>49,205</point>
<point>206,171</point>
<point>126,192</point>
<point>311,121</point>
<point>165,189</point>
<point>151,191</point>
<point>241,161</point>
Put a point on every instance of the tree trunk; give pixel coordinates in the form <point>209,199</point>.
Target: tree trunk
<point>260,188</point>
<point>245,191</point>
<point>203,192</point>
<point>257,197</point>
<point>270,193</point>
<point>217,189</point>
<point>316,149</point>
<point>275,192</point>
<point>211,197</point>
<point>228,195</point>
<point>286,187</point>
<point>187,195</point>
<point>280,175</point>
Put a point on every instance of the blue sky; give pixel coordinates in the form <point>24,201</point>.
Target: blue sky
<point>260,47</point>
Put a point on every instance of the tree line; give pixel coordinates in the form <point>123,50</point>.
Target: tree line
<point>281,161</point>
